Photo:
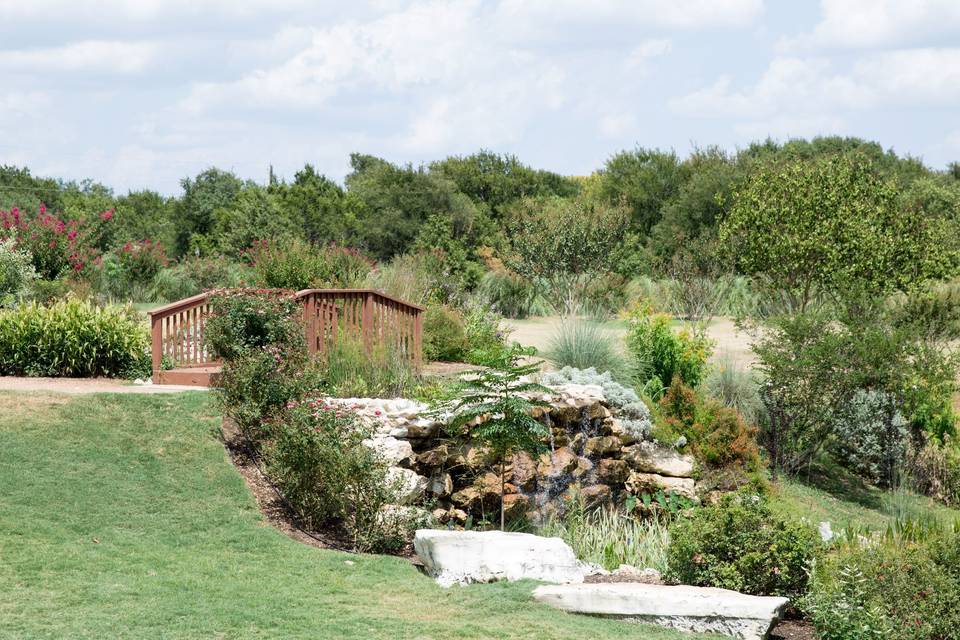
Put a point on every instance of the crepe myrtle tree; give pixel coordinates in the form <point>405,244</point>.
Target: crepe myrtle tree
<point>563,244</point>
<point>493,407</point>
<point>832,227</point>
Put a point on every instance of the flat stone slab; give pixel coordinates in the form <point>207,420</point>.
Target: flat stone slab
<point>462,557</point>
<point>694,609</point>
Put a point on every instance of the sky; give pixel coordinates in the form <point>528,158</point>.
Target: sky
<point>139,94</point>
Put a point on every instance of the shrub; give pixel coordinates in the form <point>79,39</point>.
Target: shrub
<point>609,537</point>
<point>197,274</point>
<point>933,468</point>
<point>444,336</point>
<point>73,338</point>
<point>485,339</point>
<point>870,436</point>
<point>297,265</point>
<point>892,589</point>
<point>511,295</point>
<point>409,277</point>
<point>740,544</point>
<point>604,297</point>
<point>319,461</point>
<point>57,247</point>
<point>16,273</point>
<point>584,345</point>
<point>245,320</point>
<point>350,371</point>
<point>735,388</point>
<point>717,435</point>
<point>659,353</point>
<point>633,414</point>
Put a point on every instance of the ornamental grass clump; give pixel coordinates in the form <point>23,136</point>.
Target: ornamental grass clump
<point>73,338</point>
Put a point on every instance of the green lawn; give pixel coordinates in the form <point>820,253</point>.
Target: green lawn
<point>121,517</point>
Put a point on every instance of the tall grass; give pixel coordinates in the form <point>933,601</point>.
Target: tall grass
<point>584,345</point>
<point>608,537</point>
<point>512,296</point>
<point>350,372</point>
<point>735,388</point>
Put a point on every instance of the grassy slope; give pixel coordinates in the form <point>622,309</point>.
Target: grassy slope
<point>832,494</point>
<point>120,516</point>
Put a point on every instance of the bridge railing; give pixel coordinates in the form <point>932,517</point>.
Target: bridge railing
<point>371,317</point>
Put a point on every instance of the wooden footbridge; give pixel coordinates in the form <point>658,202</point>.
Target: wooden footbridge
<point>377,319</point>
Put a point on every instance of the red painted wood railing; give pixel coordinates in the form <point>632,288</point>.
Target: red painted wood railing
<point>371,317</point>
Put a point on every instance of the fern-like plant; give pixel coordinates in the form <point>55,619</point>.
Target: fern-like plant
<point>494,408</point>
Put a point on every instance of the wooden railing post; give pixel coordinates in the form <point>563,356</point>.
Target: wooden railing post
<point>156,347</point>
<point>310,322</point>
<point>367,322</point>
<point>418,337</point>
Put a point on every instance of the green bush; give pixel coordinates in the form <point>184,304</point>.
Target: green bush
<point>16,273</point>
<point>933,468</point>
<point>244,320</point>
<point>318,460</point>
<point>660,353</point>
<point>297,265</point>
<point>350,371</point>
<point>584,345</point>
<point>485,339</point>
<point>740,544</point>
<point>511,295</point>
<point>73,338</point>
<point>444,336</point>
<point>888,589</point>
<point>195,275</point>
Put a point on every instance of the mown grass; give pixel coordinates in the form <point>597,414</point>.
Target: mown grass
<point>121,517</point>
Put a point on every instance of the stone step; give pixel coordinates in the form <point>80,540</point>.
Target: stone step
<point>685,608</point>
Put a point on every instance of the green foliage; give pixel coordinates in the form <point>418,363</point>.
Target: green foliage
<point>73,338</point>
<point>16,273</point>
<point>414,277</point>
<point>203,195</point>
<point>511,295</point>
<point>319,461</point>
<point>444,337</point>
<point>740,544</point>
<point>933,468</point>
<point>563,245</point>
<point>644,179</point>
<point>195,275</point>
<point>718,435</point>
<point>585,345</point>
<point>485,339</point>
<point>659,353</point>
<point>492,410</point>
<point>247,320</point>
<point>297,265</point>
<point>609,537</point>
<point>831,225</point>
<point>253,216</point>
<point>349,370</point>
<point>317,206</point>
<point>895,589</point>
<point>633,414</point>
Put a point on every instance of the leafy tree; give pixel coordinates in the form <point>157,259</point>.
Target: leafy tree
<point>319,206</point>
<point>212,189</point>
<point>832,226</point>
<point>397,201</point>
<point>494,401</point>
<point>644,179</point>
<point>563,244</point>
<point>146,214</point>
<point>498,180</point>
<point>254,215</point>
<point>18,188</point>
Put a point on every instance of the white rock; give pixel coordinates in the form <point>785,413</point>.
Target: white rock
<point>650,458</point>
<point>694,609</point>
<point>409,485</point>
<point>826,531</point>
<point>396,452</point>
<point>462,557</point>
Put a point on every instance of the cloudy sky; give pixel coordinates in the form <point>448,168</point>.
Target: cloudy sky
<point>141,93</point>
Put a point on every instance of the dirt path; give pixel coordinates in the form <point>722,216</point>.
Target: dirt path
<point>76,386</point>
<point>730,342</point>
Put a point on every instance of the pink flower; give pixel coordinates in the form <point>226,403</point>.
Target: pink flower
<point>106,215</point>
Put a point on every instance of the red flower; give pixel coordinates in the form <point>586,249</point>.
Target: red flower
<point>106,215</point>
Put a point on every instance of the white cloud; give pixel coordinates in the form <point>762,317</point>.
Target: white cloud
<point>682,14</point>
<point>646,51</point>
<point>878,24</point>
<point>918,78</point>
<point>87,56</point>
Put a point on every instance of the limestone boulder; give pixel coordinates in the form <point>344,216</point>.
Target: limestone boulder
<point>612,471</point>
<point>638,483</point>
<point>560,462</point>
<point>651,458</point>
<point>408,485</point>
<point>462,557</point>
<point>595,494</point>
<point>523,471</point>
<point>601,445</point>
<point>396,452</point>
<point>691,609</point>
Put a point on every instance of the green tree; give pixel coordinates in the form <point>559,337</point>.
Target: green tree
<point>210,190</point>
<point>254,215</point>
<point>319,206</point>
<point>493,408</point>
<point>831,226</point>
<point>563,244</point>
<point>644,179</point>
